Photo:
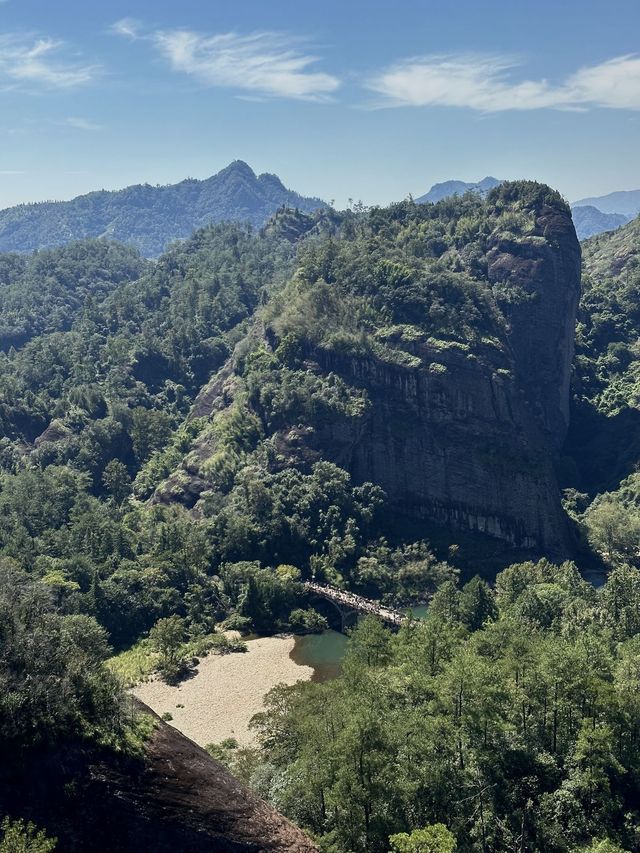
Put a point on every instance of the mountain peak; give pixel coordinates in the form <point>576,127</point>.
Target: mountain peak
<point>237,167</point>
<point>148,217</point>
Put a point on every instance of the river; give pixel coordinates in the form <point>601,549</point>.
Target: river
<point>325,652</point>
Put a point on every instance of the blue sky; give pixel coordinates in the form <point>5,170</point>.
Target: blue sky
<point>369,100</point>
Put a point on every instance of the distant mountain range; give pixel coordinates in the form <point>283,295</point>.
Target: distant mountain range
<point>151,217</point>
<point>449,188</point>
<point>594,215</point>
<point>589,221</point>
<point>626,202</point>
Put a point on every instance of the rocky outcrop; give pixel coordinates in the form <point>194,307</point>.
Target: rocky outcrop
<point>544,269</point>
<point>468,437</point>
<point>175,798</point>
<point>56,431</point>
<point>452,441</point>
<point>462,434</point>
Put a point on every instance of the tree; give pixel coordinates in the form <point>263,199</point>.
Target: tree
<point>613,529</point>
<point>621,599</point>
<point>53,681</point>
<point>434,838</point>
<point>167,637</point>
<point>116,480</point>
<point>601,845</point>
<point>370,644</point>
<point>446,602</point>
<point>477,604</point>
<point>21,837</point>
<point>150,430</point>
<point>307,621</point>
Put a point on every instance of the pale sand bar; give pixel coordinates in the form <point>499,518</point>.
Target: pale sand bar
<point>226,691</point>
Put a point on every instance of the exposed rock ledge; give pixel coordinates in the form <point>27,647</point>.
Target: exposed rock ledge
<point>176,800</point>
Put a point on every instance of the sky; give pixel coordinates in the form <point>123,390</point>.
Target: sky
<point>341,98</point>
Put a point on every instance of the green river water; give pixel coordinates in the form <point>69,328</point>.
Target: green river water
<point>325,652</point>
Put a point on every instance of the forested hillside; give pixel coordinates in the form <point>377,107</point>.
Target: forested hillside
<point>150,217</point>
<point>379,399</point>
<point>508,719</point>
<point>603,446</point>
<point>295,392</point>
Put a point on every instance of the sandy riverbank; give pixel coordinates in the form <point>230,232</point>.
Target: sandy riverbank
<point>226,691</point>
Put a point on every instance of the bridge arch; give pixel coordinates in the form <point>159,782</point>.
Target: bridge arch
<point>345,601</point>
<point>340,618</point>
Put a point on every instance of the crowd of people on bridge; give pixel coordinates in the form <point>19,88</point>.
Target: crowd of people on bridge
<point>357,602</point>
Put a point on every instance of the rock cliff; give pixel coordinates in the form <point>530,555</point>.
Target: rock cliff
<point>545,268</point>
<point>174,798</point>
<point>452,441</point>
<point>460,427</point>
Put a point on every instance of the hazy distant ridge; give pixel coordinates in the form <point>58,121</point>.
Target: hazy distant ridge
<point>151,217</point>
<point>449,188</point>
<point>588,221</point>
<point>626,202</point>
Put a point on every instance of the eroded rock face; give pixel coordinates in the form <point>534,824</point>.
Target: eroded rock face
<point>177,798</point>
<point>545,267</point>
<point>455,442</point>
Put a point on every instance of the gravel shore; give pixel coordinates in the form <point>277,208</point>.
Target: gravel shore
<point>227,690</point>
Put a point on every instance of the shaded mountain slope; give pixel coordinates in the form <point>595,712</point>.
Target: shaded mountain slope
<point>604,440</point>
<point>148,217</point>
<point>174,798</point>
<point>609,321</point>
<point>590,221</point>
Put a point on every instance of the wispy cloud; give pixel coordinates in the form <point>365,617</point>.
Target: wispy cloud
<point>6,172</point>
<point>41,61</point>
<point>614,84</point>
<point>81,123</point>
<point>129,27</point>
<point>487,84</point>
<point>260,63</point>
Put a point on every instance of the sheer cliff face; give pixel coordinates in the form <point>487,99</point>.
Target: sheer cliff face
<point>469,440</point>
<point>461,427</point>
<point>546,267</point>
<point>453,442</point>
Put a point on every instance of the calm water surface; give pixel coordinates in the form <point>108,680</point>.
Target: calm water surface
<point>418,611</point>
<point>325,652</point>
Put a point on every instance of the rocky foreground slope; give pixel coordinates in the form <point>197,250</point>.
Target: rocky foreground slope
<point>175,798</point>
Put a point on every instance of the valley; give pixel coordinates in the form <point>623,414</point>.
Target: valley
<point>420,403</point>
<point>319,427</point>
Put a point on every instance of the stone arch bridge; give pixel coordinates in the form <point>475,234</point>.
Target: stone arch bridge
<point>349,604</point>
